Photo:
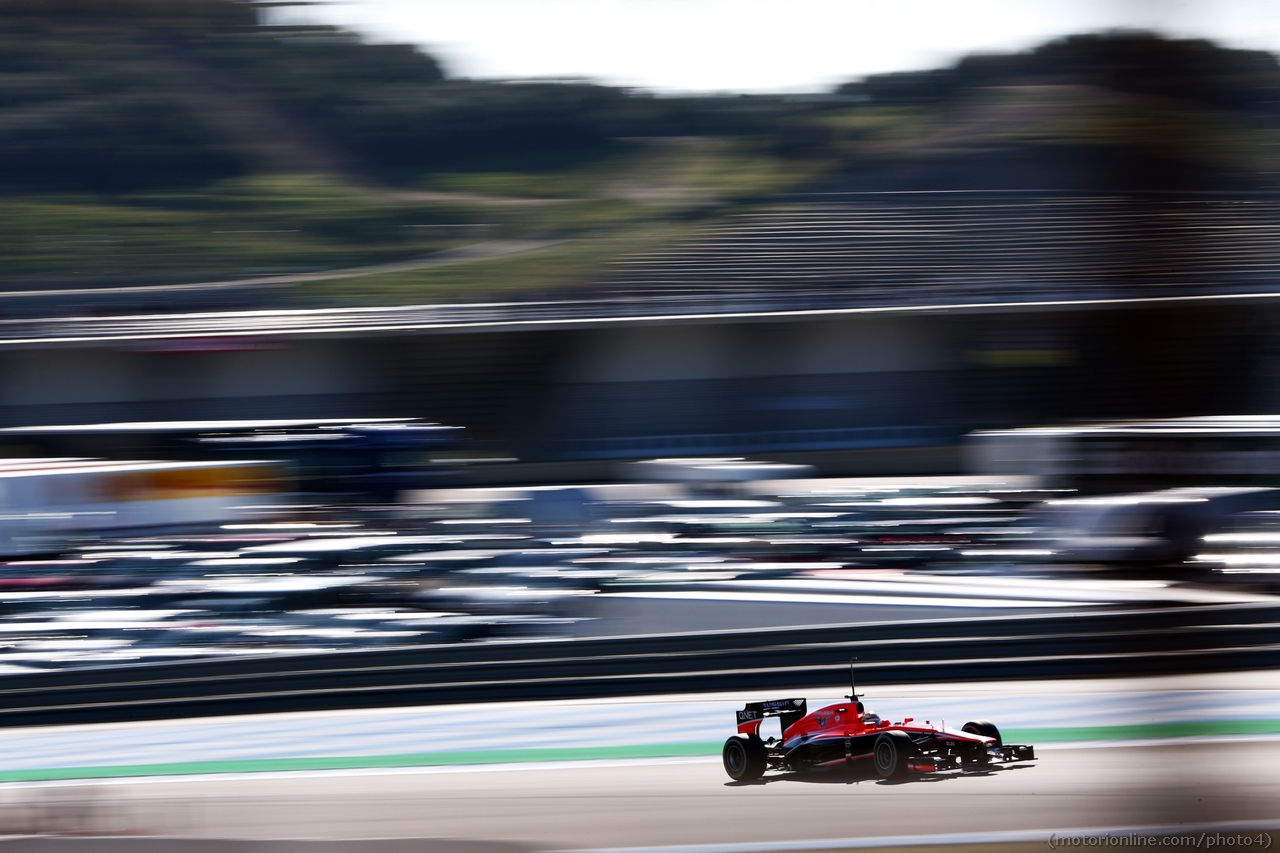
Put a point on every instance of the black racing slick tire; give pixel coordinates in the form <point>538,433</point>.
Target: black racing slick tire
<point>986,728</point>
<point>745,758</point>
<point>891,753</point>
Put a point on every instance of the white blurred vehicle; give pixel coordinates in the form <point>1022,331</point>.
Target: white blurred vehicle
<point>44,503</point>
<point>1160,528</point>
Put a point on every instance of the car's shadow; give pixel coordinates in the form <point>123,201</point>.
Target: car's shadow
<point>864,773</point>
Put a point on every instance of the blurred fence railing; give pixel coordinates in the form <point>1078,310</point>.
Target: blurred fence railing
<point>1103,643</point>
<point>76,324</point>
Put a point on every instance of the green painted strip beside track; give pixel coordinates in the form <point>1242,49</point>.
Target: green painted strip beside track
<point>1147,731</point>
<point>1143,731</point>
<point>348,762</point>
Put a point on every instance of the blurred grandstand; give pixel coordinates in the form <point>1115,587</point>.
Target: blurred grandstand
<point>971,247</point>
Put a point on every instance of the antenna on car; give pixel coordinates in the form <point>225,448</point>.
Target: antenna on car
<point>853,682</point>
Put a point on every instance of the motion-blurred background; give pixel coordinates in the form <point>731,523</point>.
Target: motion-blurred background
<point>371,371</point>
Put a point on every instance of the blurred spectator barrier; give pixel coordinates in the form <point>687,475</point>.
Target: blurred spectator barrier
<point>1114,643</point>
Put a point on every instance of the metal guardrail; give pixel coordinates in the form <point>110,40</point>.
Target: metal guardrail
<point>1102,643</point>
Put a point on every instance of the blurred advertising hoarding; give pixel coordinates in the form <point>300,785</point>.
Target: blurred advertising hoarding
<point>46,502</point>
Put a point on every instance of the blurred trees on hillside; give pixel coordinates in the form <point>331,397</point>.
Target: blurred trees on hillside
<point>126,95</point>
<point>115,95</point>
<point>1135,62</point>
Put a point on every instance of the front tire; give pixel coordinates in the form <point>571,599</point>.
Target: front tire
<point>985,728</point>
<point>745,758</point>
<point>891,753</point>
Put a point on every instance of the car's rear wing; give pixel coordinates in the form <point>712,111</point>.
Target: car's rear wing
<point>789,710</point>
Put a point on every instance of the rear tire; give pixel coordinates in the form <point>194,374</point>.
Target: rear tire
<point>985,728</point>
<point>745,758</point>
<point>891,753</point>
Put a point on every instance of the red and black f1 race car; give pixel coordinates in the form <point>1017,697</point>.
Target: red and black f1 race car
<point>846,734</point>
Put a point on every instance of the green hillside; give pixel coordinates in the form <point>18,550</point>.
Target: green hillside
<point>164,141</point>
